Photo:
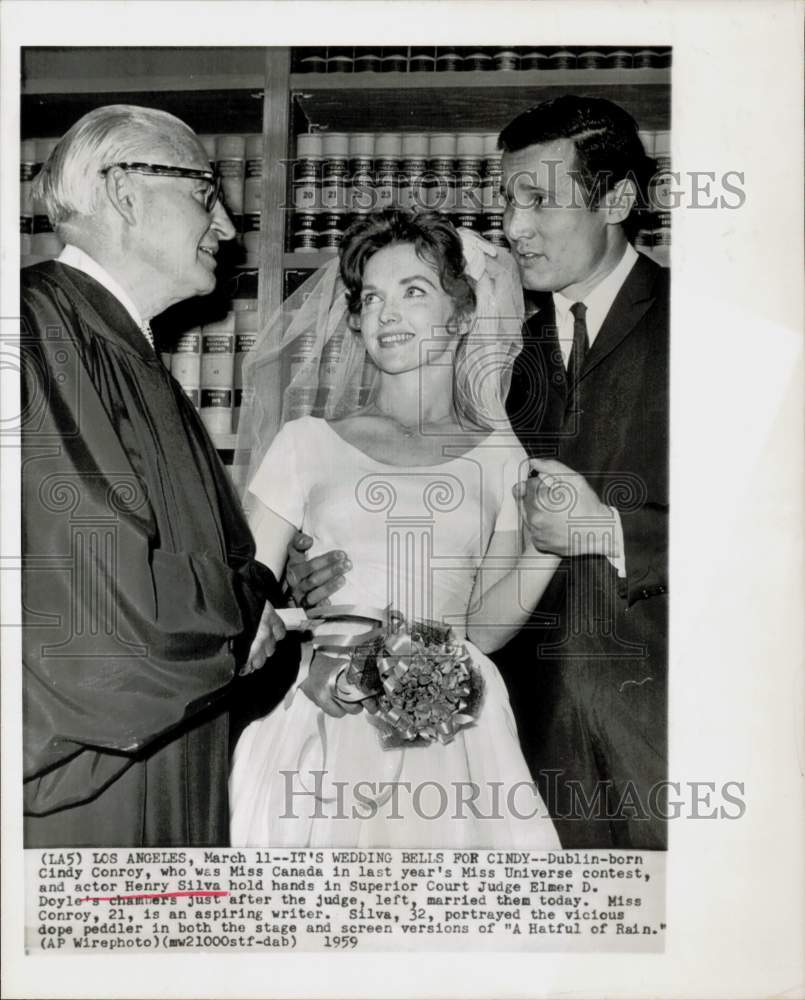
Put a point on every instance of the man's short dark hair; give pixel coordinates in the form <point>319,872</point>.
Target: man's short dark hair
<point>608,148</point>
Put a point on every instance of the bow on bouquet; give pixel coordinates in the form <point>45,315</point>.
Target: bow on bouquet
<point>420,674</point>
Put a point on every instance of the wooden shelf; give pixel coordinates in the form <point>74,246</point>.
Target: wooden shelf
<point>225,442</point>
<point>107,69</point>
<point>480,101</point>
<point>215,90</point>
<point>125,84</point>
<point>486,78</point>
<point>205,111</point>
<point>302,261</point>
<point>311,261</point>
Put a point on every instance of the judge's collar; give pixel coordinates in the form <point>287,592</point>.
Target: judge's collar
<point>73,256</point>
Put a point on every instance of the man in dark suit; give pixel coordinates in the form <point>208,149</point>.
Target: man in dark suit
<point>589,401</point>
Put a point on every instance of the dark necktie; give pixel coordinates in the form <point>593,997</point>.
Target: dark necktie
<point>578,352</point>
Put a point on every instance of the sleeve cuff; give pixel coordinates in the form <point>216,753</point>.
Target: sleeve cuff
<point>619,562</point>
<point>262,582</point>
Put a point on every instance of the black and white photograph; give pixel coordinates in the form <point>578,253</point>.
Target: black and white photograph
<point>436,441</point>
<point>352,391</point>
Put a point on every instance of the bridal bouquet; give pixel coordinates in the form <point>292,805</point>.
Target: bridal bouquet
<point>424,680</point>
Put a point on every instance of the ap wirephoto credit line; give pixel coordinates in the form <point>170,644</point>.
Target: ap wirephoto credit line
<point>346,901</point>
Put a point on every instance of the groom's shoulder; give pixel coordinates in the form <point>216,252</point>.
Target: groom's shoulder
<point>655,277</point>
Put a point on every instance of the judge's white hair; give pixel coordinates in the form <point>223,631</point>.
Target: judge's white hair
<point>69,182</point>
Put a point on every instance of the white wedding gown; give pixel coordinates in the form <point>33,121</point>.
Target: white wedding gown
<point>415,537</point>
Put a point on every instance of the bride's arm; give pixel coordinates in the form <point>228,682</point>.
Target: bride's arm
<point>509,583</point>
<point>272,535</point>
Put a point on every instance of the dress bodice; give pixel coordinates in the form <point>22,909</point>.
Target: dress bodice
<point>415,535</point>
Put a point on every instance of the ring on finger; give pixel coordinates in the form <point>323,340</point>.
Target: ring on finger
<point>332,684</point>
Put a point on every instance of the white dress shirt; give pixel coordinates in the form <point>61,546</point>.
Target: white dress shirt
<point>81,261</point>
<point>598,302</point>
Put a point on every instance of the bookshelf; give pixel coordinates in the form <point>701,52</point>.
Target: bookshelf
<point>253,91</point>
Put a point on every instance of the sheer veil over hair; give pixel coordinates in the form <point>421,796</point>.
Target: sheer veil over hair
<point>308,346</point>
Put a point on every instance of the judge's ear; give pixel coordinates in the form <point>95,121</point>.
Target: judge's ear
<point>619,201</point>
<point>122,194</point>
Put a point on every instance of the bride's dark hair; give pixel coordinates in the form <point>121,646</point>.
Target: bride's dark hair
<point>435,241</point>
<point>337,374</point>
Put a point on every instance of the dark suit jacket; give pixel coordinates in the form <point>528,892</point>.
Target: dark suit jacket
<point>618,439</point>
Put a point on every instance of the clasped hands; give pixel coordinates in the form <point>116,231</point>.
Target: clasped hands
<point>311,582</point>
<point>270,631</point>
<point>562,514</point>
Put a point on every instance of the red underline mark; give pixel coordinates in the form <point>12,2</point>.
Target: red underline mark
<point>154,895</point>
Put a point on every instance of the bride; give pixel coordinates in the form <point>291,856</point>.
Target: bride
<point>416,485</point>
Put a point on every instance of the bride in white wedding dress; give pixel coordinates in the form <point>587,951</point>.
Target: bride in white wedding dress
<point>416,485</point>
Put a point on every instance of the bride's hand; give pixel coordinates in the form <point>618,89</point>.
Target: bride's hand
<point>312,581</point>
<point>269,632</point>
<point>319,688</point>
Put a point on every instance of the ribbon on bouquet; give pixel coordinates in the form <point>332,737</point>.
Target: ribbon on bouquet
<point>431,689</point>
<point>355,647</point>
<point>385,619</point>
<point>421,675</point>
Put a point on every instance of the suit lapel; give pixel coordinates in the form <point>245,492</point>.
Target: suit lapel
<point>631,303</point>
<point>542,336</point>
<point>536,398</point>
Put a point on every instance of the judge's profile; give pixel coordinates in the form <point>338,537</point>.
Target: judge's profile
<point>141,593</point>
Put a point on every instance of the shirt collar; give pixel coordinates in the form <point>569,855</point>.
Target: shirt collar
<point>81,261</point>
<point>600,299</point>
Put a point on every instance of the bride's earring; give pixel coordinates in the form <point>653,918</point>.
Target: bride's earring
<point>458,326</point>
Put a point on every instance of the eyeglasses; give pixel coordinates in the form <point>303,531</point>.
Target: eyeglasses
<point>162,170</point>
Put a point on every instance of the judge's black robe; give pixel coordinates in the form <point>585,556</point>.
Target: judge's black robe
<point>140,588</point>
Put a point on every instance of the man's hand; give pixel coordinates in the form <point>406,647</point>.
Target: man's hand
<point>269,632</point>
<point>313,580</point>
<point>563,514</point>
<point>319,687</point>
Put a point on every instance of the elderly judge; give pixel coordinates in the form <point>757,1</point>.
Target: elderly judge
<point>141,593</point>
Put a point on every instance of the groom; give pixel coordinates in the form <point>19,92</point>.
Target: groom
<point>589,402</point>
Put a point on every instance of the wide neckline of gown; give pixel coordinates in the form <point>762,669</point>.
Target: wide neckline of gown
<point>389,465</point>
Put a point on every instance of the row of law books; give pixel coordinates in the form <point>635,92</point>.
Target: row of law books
<point>338,177</point>
<point>474,58</point>
<point>423,142</point>
<point>338,174</point>
<point>207,361</point>
<point>335,176</point>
